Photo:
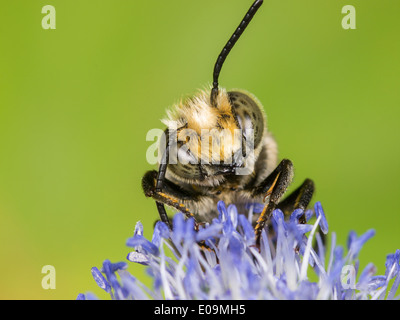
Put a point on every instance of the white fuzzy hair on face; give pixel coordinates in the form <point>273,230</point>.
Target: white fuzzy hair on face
<point>207,122</point>
<point>197,113</point>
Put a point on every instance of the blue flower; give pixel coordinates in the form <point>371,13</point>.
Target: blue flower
<point>221,261</point>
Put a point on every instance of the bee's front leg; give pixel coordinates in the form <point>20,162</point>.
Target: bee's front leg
<point>170,195</point>
<point>272,188</point>
<point>298,199</point>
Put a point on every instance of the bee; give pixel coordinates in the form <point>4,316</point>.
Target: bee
<point>241,167</point>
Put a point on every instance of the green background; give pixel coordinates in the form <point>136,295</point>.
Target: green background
<point>76,104</point>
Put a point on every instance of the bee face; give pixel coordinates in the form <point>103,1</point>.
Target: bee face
<point>212,143</point>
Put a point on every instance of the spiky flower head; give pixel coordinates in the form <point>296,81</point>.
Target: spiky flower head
<point>221,261</point>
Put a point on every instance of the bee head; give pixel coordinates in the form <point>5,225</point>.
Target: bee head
<point>212,128</point>
<point>213,142</point>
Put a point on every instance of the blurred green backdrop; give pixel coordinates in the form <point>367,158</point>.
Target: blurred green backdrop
<point>76,104</point>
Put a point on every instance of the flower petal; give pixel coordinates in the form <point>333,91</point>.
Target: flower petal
<point>100,280</point>
<point>320,213</point>
<point>138,258</point>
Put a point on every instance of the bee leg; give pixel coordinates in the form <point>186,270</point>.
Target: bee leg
<point>298,199</point>
<point>171,195</point>
<point>272,188</point>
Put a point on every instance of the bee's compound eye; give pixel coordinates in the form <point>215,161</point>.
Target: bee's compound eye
<point>218,192</point>
<point>249,113</point>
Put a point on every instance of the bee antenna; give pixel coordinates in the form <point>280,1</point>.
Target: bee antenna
<point>229,45</point>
